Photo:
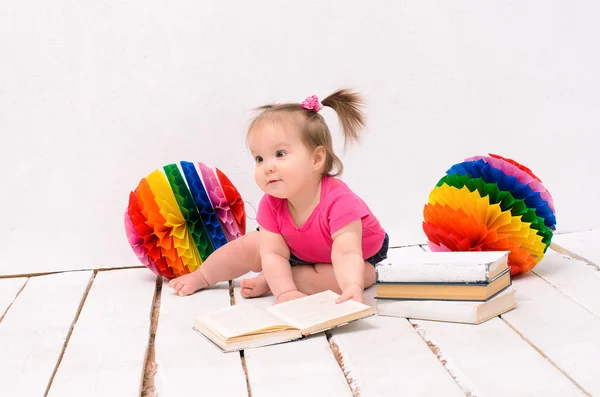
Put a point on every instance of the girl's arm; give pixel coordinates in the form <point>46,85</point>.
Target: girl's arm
<point>275,258</point>
<point>347,260</point>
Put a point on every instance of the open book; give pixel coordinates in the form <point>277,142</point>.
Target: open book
<point>248,326</point>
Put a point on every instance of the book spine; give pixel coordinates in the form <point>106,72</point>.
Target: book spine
<point>388,273</point>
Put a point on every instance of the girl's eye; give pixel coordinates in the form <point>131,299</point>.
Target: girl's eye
<point>280,153</point>
<point>258,159</point>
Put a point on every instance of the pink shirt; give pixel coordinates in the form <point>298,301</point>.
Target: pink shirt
<point>312,241</point>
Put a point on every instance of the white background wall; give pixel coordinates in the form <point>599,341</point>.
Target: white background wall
<point>96,95</point>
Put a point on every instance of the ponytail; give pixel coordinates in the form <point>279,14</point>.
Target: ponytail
<point>347,105</point>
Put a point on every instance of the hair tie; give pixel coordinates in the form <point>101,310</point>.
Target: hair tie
<point>312,103</point>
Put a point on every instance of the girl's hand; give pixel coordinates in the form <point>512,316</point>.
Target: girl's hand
<point>354,292</point>
<point>288,296</point>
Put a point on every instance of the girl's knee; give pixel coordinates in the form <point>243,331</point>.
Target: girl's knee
<point>324,268</point>
<point>303,271</point>
<point>249,243</point>
<point>369,274</point>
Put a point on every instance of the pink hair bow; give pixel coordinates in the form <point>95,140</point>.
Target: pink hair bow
<point>312,103</point>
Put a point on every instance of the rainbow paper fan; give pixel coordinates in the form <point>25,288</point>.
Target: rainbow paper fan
<point>176,218</point>
<point>491,204</point>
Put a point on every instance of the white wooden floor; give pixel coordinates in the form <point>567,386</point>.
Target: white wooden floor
<point>123,333</point>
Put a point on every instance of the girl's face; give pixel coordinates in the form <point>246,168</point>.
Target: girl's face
<point>284,165</point>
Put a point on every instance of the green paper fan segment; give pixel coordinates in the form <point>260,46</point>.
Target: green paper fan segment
<point>188,209</point>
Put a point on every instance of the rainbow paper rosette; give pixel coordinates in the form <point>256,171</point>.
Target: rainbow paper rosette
<point>177,217</point>
<point>491,203</point>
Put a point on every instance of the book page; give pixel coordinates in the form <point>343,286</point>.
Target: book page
<point>317,309</point>
<point>241,320</point>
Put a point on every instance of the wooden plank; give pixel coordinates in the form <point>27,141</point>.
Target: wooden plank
<point>561,329</point>
<point>581,245</point>
<point>384,356</point>
<point>107,349</point>
<point>301,368</point>
<point>575,278</point>
<point>187,363</point>
<point>34,330</point>
<point>9,288</point>
<point>490,359</point>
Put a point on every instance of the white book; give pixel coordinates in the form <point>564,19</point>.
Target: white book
<point>441,267</point>
<point>449,311</point>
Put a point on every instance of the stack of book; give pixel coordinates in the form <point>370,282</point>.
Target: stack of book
<point>462,287</point>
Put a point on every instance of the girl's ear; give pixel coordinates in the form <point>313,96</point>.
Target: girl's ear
<point>319,157</point>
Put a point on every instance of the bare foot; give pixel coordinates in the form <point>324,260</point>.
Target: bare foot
<point>189,283</point>
<point>254,287</point>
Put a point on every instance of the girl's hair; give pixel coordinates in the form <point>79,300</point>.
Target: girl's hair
<point>314,130</point>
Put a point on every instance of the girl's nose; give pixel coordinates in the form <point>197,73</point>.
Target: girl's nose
<point>269,168</point>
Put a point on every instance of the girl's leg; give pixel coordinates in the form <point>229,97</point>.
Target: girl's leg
<point>309,280</point>
<point>320,277</point>
<point>232,260</point>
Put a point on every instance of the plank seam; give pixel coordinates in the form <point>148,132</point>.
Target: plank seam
<point>339,358</point>
<point>231,293</point>
<point>232,302</point>
<point>68,271</point>
<point>437,352</point>
<point>13,301</point>
<point>70,332</point>
<point>564,251</point>
<point>150,365</point>
<point>406,246</point>
<point>245,368</point>
<point>540,352</point>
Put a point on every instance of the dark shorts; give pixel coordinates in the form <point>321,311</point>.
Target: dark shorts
<point>375,259</point>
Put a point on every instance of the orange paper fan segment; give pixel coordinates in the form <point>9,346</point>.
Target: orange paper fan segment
<point>162,232</point>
